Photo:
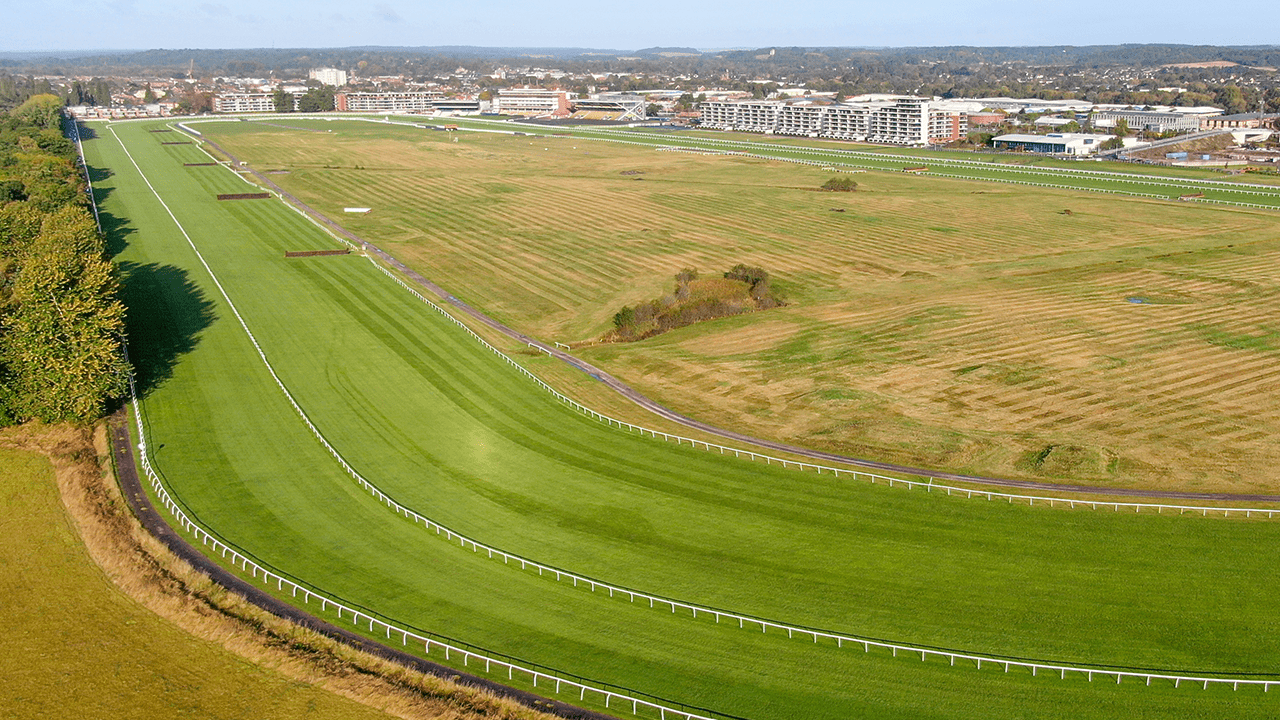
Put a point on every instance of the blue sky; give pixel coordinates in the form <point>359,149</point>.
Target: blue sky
<point>141,24</point>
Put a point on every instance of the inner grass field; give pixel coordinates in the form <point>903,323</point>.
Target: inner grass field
<point>423,410</point>
<point>968,326</point>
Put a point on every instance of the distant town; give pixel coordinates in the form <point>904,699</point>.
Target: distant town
<point>1070,119</point>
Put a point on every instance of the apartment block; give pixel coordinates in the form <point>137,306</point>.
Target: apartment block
<point>899,120</point>
<point>375,102</point>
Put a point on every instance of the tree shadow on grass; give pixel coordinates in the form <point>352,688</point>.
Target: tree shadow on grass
<point>166,314</point>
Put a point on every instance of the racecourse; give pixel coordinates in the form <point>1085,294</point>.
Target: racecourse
<point>420,408</point>
<point>962,326</point>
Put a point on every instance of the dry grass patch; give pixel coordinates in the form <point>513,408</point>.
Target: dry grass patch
<point>973,323</point>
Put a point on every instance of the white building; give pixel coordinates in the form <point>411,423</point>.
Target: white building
<point>408,102</point>
<point>531,101</point>
<point>610,106</point>
<point>329,76</point>
<point>893,119</point>
<point>1155,119</point>
<point>244,102</point>
<point>1053,143</point>
<point>1032,105</point>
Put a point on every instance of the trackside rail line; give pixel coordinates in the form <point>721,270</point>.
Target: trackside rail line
<point>358,616</point>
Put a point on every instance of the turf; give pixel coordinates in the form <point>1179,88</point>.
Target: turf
<point>936,322</point>
<point>76,645</point>
<point>419,407</point>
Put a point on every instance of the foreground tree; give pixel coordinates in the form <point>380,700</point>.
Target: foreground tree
<point>60,344</point>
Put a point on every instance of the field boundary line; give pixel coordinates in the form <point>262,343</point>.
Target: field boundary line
<point>189,525</point>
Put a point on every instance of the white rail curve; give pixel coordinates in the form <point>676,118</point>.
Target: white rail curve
<point>655,601</point>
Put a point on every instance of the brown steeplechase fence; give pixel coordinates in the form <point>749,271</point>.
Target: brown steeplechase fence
<point>315,253</point>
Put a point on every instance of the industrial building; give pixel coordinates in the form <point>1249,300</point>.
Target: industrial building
<point>895,119</point>
<point>1242,121</point>
<point>1053,143</point>
<point>532,101</point>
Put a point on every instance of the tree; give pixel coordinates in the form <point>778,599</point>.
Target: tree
<point>1122,128</point>
<point>1114,143</point>
<point>652,110</point>
<point>318,99</point>
<point>282,101</point>
<point>42,111</point>
<point>60,343</point>
<point>624,318</point>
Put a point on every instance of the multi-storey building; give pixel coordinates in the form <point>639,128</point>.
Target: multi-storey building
<point>532,101</point>
<point>899,120</point>
<point>329,76</point>
<point>1176,119</point>
<point>244,102</point>
<point>409,102</point>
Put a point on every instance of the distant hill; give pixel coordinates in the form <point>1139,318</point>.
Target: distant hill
<point>668,52</point>
<point>791,61</point>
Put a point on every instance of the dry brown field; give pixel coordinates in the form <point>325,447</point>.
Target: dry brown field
<point>974,327</point>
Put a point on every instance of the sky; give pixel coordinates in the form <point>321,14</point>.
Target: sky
<point>710,24</point>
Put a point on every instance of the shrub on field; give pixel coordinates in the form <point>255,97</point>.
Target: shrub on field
<point>840,184</point>
<point>743,289</point>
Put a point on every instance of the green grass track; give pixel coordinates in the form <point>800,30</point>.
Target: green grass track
<point>423,410</point>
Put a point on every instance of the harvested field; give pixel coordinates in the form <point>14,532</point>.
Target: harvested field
<point>998,310</point>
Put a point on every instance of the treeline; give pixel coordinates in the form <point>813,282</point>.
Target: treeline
<point>743,289</point>
<point>16,89</point>
<point>60,320</point>
<point>315,99</point>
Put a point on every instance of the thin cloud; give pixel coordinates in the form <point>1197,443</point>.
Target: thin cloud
<point>387,14</point>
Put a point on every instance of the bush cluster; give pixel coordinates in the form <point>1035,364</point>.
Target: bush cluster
<point>840,184</point>
<point>690,303</point>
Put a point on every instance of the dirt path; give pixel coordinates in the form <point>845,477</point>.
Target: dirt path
<point>636,397</point>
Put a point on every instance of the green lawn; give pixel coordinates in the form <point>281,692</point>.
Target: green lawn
<point>420,408</point>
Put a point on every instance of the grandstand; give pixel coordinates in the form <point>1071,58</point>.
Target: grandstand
<point>623,108</point>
